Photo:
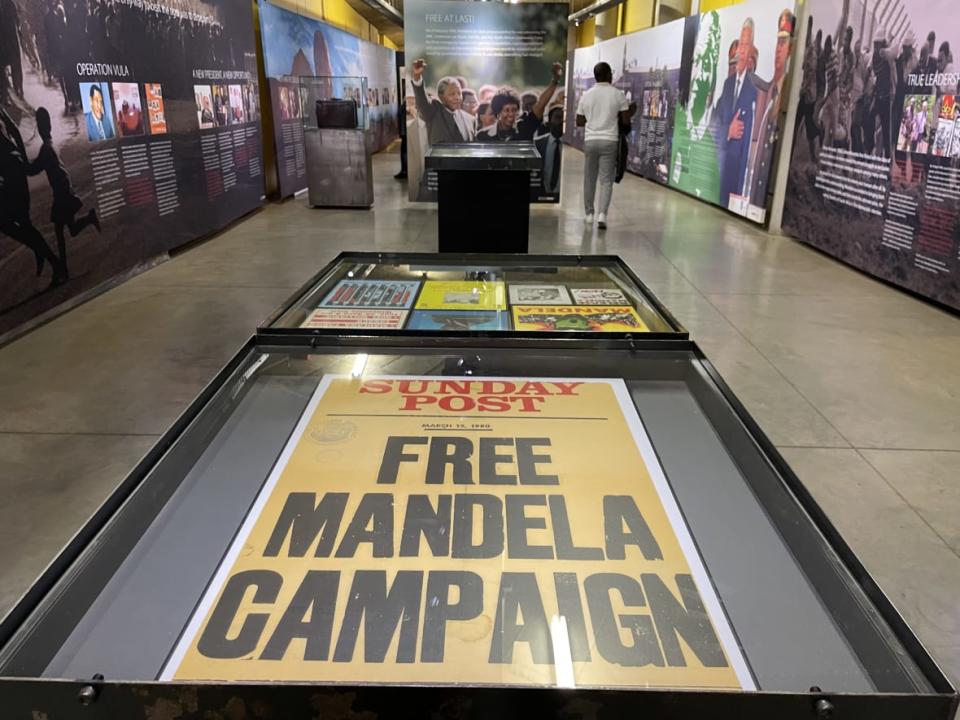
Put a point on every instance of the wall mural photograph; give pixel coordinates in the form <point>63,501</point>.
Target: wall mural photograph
<point>485,72</point>
<point>876,145</point>
<point>709,95</point>
<point>648,71</point>
<point>296,46</point>
<point>109,155</point>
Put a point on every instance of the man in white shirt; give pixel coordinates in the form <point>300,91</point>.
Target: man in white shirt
<point>601,110</point>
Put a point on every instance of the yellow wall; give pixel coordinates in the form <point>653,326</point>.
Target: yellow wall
<point>637,15</point>
<point>708,5</point>
<point>339,13</point>
<point>586,32</point>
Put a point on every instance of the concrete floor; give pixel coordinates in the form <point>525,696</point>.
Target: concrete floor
<point>857,383</point>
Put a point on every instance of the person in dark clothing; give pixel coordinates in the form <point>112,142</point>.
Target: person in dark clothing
<point>10,48</point>
<point>808,94</point>
<point>15,219</point>
<point>734,112</point>
<point>545,133</point>
<point>930,66</point>
<point>53,26</point>
<point>506,107</point>
<point>65,203</point>
<point>549,144</point>
<point>883,73</point>
<point>821,66</point>
<point>826,64</point>
<point>531,122</point>
<point>904,64</point>
<point>623,152</point>
<point>401,114</point>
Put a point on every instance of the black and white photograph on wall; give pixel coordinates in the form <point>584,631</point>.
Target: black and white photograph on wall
<point>103,167</point>
<point>873,149</point>
<point>495,74</point>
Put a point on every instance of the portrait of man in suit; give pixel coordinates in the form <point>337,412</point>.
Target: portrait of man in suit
<point>549,145</point>
<point>734,117</point>
<point>768,126</point>
<point>98,119</point>
<point>446,120</point>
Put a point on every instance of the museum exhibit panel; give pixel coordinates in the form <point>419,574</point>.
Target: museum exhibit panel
<point>710,96</point>
<point>118,147</point>
<point>503,58</point>
<point>483,195</point>
<point>337,141</point>
<point>299,46</point>
<point>475,482</point>
<point>540,296</point>
<point>884,160</point>
<point>480,521</point>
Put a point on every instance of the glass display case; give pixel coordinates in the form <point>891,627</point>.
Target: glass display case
<point>316,91</point>
<point>537,298</point>
<point>337,141</point>
<point>432,531</point>
<point>484,156</point>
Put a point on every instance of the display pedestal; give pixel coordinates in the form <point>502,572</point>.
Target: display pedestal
<point>484,196</point>
<point>339,168</point>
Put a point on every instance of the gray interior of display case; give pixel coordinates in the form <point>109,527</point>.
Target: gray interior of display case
<point>161,580</point>
<point>789,638</point>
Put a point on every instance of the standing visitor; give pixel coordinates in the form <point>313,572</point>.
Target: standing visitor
<point>601,111</point>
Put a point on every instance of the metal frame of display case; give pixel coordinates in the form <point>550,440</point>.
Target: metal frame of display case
<point>102,698</point>
<point>269,333</point>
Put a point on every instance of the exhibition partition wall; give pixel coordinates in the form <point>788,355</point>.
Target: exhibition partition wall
<point>486,78</point>
<point>709,96</point>
<point>128,128</point>
<point>296,46</point>
<point>877,145</point>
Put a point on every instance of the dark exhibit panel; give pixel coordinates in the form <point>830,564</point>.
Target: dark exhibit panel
<point>483,194</point>
<point>887,170</point>
<point>127,129</point>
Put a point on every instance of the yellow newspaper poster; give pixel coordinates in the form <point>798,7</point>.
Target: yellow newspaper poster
<point>462,295</point>
<point>464,530</point>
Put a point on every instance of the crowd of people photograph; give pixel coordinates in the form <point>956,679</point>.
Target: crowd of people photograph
<point>71,73</point>
<point>451,111</point>
<point>872,90</point>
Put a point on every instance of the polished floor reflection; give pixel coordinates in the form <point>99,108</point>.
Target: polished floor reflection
<point>858,383</point>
